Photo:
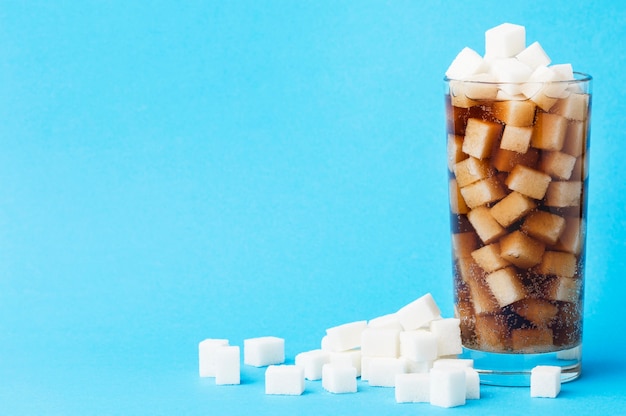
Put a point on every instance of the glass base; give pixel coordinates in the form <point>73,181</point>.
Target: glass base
<point>514,369</point>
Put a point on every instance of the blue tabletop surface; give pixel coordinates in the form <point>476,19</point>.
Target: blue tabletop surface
<point>175,171</point>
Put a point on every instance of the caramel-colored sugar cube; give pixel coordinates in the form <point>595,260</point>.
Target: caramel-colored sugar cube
<point>549,132</point>
<point>462,101</point>
<point>557,164</point>
<point>485,225</point>
<point>480,137</point>
<point>482,298</point>
<point>544,226</point>
<point>511,208</point>
<point>572,237</point>
<point>457,203</point>
<point>558,263</point>
<point>521,250</point>
<point>470,170</point>
<point>505,286</point>
<point>516,139</point>
<point>469,270</point>
<point>574,107</point>
<point>575,138</point>
<point>492,333</point>
<point>488,258</point>
<point>564,194</point>
<point>455,152</point>
<point>529,182</point>
<point>515,112</point>
<point>463,244</point>
<point>565,289</point>
<point>538,311</point>
<point>531,340</point>
<point>483,192</point>
<point>505,160</point>
<point>580,169</point>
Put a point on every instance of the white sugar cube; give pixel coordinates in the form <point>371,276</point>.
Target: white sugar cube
<point>337,378</point>
<point>418,345</point>
<point>411,366</point>
<point>412,388</point>
<point>534,56</point>
<point>418,313</point>
<point>380,342</point>
<point>510,70</point>
<point>382,371</point>
<point>385,321</point>
<point>312,362</point>
<point>262,351</point>
<point>227,365</point>
<point>350,358</point>
<point>447,386</point>
<point>346,336</point>
<point>448,332</point>
<point>468,62</point>
<point>545,381</point>
<point>505,40</point>
<point>206,355</point>
<point>284,379</point>
<point>472,384</point>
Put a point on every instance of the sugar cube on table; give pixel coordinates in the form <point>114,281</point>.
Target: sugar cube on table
<point>284,380</point>
<point>350,358</point>
<point>418,345</point>
<point>419,312</point>
<point>412,388</point>
<point>382,371</point>
<point>505,40</point>
<point>389,321</point>
<point>380,342</point>
<point>263,351</point>
<point>206,355</point>
<point>447,386</point>
<point>448,333</point>
<point>312,362</point>
<point>227,365</point>
<point>472,384</point>
<point>338,378</point>
<point>545,381</point>
<point>346,336</point>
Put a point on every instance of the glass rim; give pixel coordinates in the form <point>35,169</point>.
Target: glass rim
<point>579,77</point>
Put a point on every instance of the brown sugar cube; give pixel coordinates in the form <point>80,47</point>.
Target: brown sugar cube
<point>580,169</point>
<point>470,170</point>
<point>511,208</point>
<point>482,192</point>
<point>544,101</point>
<point>482,299</point>
<point>549,131</point>
<point>455,152</point>
<point>565,289</point>
<point>558,263</point>
<point>485,225</point>
<point>505,160</point>
<point>544,226</point>
<point>488,258</point>
<point>529,182</point>
<point>538,311</point>
<point>505,286</point>
<point>516,139</point>
<point>557,164</point>
<point>464,311</point>
<point>574,107</point>
<point>564,194</point>
<point>467,269</point>
<point>515,112</point>
<point>457,203</point>
<point>463,244</point>
<point>573,236</point>
<point>521,250</point>
<point>531,340</point>
<point>575,138</point>
<point>480,136</point>
<point>492,333</point>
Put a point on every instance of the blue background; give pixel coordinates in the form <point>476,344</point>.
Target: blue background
<point>174,171</point>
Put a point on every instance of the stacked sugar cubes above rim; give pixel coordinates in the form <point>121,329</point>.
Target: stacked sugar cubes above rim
<point>518,130</point>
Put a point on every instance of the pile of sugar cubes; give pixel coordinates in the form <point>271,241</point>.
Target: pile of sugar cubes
<point>413,350</point>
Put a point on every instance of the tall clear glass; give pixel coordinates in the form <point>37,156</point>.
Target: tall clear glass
<point>518,175</point>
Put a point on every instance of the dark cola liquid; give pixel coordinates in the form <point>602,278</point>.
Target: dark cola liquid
<point>518,280</point>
